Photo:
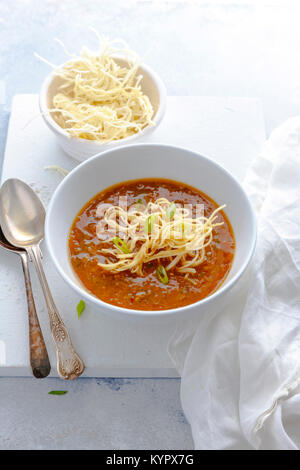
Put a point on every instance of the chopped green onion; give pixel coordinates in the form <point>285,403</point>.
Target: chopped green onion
<point>171,210</point>
<point>80,307</point>
<point>149,223</point>
<point>57,392</point>
<point>162,274</point>
<point>140,205</point>
<point>121,245</point>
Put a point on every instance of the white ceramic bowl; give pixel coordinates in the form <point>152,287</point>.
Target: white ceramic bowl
<point>82,149</point>
<point>145,161</point>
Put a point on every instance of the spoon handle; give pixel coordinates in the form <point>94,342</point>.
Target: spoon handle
<point>69,364</point>
<point>39,359</point>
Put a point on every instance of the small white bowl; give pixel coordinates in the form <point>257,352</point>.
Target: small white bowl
<point>145,161</point>
<point>82,149</point>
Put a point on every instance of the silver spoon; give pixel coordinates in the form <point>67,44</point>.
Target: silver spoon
<point>22,217</point>
<point>39,359</point>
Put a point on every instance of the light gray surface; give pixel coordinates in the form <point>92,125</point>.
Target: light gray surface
<point>130,414</point>
<point>216,48</point>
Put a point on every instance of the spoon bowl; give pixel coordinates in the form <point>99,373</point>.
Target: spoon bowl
<point>22,214</point>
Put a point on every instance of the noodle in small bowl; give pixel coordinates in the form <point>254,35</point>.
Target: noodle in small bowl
<point>153,176</point>
<point>143,93</point>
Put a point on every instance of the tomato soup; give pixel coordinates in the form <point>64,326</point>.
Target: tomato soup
<point>146,292</point>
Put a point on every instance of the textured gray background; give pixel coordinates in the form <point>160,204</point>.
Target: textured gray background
<point>217,48</point>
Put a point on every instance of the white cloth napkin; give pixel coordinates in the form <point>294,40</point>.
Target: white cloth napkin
<point>240,367</point>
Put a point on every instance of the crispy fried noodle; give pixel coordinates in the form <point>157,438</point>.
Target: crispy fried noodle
<point>100,99</point>
<point>160,231</point>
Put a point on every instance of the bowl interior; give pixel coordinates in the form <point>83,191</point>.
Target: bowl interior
<point>148,84</point>
<point>146,161</point>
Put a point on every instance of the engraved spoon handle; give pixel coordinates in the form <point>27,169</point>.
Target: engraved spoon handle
<point>39,359</point>
<point>69,364</point>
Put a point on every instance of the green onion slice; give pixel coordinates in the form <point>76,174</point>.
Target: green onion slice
<point>149,223</point>
<point>171,210</point>
<point>122,246</point>
<point>57,392</point>
<point>140,205</point>
<point>80,307</point>
<point>162,275</point>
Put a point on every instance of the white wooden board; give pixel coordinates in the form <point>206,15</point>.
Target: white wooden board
<point>229,130</point>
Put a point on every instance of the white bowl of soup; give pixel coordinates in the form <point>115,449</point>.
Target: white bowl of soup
<point>150,230</point>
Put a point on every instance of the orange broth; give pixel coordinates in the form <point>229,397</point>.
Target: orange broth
<point>129,290</point>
